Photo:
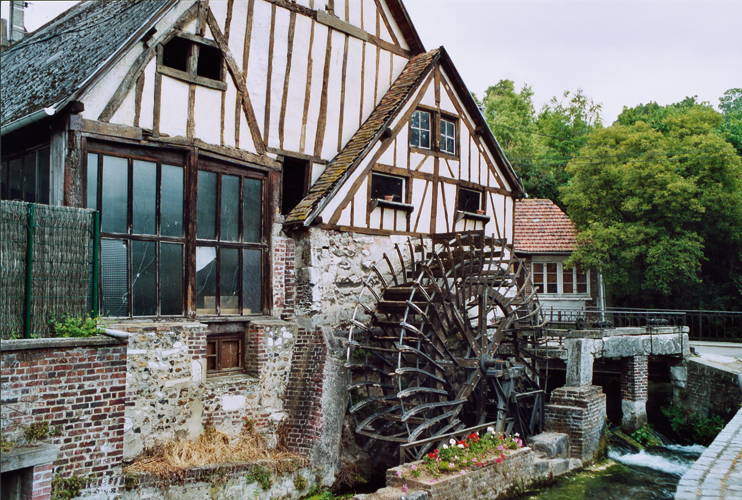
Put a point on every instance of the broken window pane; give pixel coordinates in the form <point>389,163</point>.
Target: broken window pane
<point>252,276</point>
<point>144,278</point>
<point>115,184</point>
<point>229,267</point>
<point>113,258</point>
<point>206,280</point>
<point>144,202</point>
<point>171,209</point>
<point>171,279</point>
<point>230,220</point>
<point>206,218</point>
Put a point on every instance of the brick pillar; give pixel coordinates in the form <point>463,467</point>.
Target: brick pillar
<point>578,412</point>
<point>634,380</point>
<point>37,483</point>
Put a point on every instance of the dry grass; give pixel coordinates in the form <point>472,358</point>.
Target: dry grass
<point>210,448</point>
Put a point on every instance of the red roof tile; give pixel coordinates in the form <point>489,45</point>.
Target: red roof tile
<point>542,227</point>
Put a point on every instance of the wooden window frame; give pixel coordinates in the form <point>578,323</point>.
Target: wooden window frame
<point>444,136</point>
<point>39,196</point>
<point>435,133</point>
<point>192,163</point>
<point>560,271</point>
<point>191,75</point>
<point>391,204</point>
<point>217,339</point>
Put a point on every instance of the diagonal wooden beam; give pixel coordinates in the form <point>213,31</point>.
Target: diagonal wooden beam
<point>239,79</point>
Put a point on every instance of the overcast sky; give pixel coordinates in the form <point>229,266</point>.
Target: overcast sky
<point>620,52</point>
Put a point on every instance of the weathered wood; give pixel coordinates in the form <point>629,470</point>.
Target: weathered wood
<point>239,80</point>
<point>237,116</point>
<point>228,20</point>
<point>294,154</point>
<point>422,203</point>
<point>340,25</point>
<point>382,14</point>
<point>248,36</point>
<point>157,105</point>
<point>307,91</point>
<point>494,215</point>
<point>363,77</point>
<point>139,64</point>
<point>269,79</point>
<point>138,99</point>
<point>287,78</point>
<point>103,128</point>
<point>191,78</point>
<point>322,120</point>
<point>342,95</point>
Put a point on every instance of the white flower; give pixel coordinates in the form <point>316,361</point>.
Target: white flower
<point>461,446</point>
<point>452,441</point>
<point>491,430</point>
<point>445,446</point>
<point>517,435</point>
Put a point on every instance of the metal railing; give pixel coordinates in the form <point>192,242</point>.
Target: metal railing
<point>719,326</point>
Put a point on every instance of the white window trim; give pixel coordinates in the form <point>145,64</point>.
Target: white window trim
<point>445,136</point>
<point>560,279</point>
<point>429,130</point>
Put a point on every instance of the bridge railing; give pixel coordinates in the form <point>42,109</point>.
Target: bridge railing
<point>719,326</point>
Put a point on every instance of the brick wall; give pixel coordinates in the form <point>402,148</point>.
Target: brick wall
<point>711,390</point>
<point>303,400</point>
<point>78,387</point>
<point>634,378</point>
<point>284,278</point>
<point>578,412</point>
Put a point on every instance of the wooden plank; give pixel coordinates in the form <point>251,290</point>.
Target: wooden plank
<point>188,78</point>
<point>342,94</point>
<point>237,120</point>
<point>239,80</point>
<point>269,79</point>
<point>434,196</point>
<point>422,203</point>
<point>307,91</point>
<point>248,37</point>
<point>322,120</point>
<point>203,7</point>
<point>223,112</point>
<point>494,215</point>
<point>363,76</point>
<point>228,21</point>
<point>137,68</point>
<point>102,128</point>
<point>157,103</point>
<point>382,14</point>
<point>389,47</point>
<point>284,99</point>
<point>138,99</point>
<point>340,25</point>
<point>293,154</point>
<point>294,7</point>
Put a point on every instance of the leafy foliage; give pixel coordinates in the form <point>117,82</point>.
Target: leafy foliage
<point>692,426</point>
<point>36,431</point>
<point>66,488</point>
<point>658,207</point>
<point>71,326</point>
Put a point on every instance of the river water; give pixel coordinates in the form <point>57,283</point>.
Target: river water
<point>651,474</point>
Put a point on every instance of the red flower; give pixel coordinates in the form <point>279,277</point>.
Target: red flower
<point>479,464</point>
<point>498,460</point>
<point>502,455</point>
<point>464,443</point>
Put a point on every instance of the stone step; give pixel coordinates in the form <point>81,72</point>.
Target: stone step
<point>550,445</point>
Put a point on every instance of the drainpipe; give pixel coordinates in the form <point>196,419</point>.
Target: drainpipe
<point>601,295</point>
<point>29,119</point>
<point>118,334</point>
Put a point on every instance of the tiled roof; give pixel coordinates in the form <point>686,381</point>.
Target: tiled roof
<point>542,227</point>
<point>357,148</point>
<point>53,63</point>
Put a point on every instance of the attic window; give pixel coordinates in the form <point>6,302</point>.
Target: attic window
<point>469,200</point>
<point>192,59</point>
<point>383,186</point>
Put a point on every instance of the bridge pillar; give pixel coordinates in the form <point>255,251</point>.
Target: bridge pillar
<point>578,412</point>
<point>634,380</point>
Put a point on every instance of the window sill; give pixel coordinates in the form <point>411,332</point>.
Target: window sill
<point>471,216</point>
<point>564,296</point>
<point>220,379</point>
<point>187,77</point>
<point>433,152</point>
<point>395,205</point>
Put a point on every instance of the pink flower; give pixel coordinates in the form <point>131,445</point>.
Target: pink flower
<point>404,488</point>
<point>399,474</point>
<point>462,473</point>
<point>450,466</point>
<point>500,448</point>
<point>432,481</point>
<point>413,467</point>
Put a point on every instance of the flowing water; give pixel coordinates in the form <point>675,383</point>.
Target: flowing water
<point>651,474</point>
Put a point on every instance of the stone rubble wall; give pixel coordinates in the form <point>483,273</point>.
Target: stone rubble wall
<point>171,397</point>
<point>76,386</point>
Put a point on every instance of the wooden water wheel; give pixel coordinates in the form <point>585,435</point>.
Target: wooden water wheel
<point>430,325</point>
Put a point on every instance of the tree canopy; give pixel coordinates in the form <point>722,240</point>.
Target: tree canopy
<point>657,200</point>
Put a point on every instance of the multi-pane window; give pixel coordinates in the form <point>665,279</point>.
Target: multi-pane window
<point>554,277</point>
<point>383,186</point>
<point>448,136</point>
<point>420,132</point>
<point>148,254</point>
<point>26,177</point>
<point>225,353</point>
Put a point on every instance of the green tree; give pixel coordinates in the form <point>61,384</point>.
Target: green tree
<point>658,205</point>
<point>731,108</point>
<point>565,126</point>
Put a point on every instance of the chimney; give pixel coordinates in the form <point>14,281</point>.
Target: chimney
<point>16,29</point>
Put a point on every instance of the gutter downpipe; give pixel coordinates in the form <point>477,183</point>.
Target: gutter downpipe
<point>118,334</point>
<point>29,119</point>
<point>601,298</point>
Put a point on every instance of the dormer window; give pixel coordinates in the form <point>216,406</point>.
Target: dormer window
<point>434,133</point>
<point>448,136</point>
<point>192,59</point>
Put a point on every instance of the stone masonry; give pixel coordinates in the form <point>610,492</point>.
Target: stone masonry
<point>634,381</point>
<point>578,412</point>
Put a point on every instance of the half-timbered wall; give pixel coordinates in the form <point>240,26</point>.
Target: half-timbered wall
<point>300,77</point>
<point>432,178</point>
